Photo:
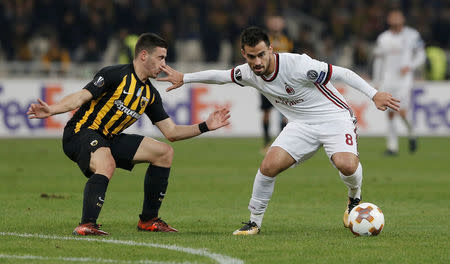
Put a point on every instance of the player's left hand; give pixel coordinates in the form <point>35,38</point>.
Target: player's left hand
<point>40,110</point>
<point>218,118</point>
<point>384,100</point>
<point>173,76</point>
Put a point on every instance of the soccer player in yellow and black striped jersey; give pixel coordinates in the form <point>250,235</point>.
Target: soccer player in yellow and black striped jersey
<point>116,98</point>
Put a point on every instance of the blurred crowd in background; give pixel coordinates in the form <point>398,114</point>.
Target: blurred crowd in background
<point>72,32</point>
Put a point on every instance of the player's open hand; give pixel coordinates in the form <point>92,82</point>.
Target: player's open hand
<point>41,110</point>
<point>173,76</point>
<point>218,118</point>
<point>384,100</point>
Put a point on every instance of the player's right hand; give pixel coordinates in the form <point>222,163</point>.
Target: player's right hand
<point>173,76</point>
<point>41,110</point>
<point>384,100</point>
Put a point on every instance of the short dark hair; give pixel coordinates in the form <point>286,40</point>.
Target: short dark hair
<point>251,36</point>
<point>149,41</point>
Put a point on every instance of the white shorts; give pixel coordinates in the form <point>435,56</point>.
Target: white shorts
<point>302,140</point>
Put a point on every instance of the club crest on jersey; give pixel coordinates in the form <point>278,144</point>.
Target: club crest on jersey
<point>312,75</point>
<point>99,82</point>
<point>238,74</point>
<point>289,89</point>
<point>143,102</point>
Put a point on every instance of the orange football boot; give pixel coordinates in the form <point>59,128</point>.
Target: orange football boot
<point>155,224</point>
<point>89,229</point>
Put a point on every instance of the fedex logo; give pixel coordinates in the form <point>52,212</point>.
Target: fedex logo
<point>436,114</point>
<point>190,109</point>
<point>13,112</point>
<point>429,108</point>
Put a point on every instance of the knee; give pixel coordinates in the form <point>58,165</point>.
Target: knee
<point>347,169</point>
<point>269,168</point>
<point>346,166</point>
<point>166,156</point>
<point>110,165</point>
<point>106,167</point>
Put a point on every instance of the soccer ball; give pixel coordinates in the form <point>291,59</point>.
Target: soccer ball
<point>366,219</point>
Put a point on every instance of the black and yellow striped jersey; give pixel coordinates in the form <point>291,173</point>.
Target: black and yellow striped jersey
<point>119,99</point>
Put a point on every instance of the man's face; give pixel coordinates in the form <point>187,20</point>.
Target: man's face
<point>258,57</point>
<point>396,20</point>
<point>154,60</point>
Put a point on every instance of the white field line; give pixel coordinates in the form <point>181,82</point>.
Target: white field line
<point>89,260</point>
<point>222,259</point>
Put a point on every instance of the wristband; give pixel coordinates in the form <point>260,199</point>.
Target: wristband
<point>203,127</point>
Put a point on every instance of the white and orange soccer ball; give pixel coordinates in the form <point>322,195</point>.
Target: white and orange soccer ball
<point>366,219</point>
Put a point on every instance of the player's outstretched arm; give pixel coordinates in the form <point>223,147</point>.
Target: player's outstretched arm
<point>384,100</point>
<point>68,103</point>
<point>174,132</point>
<point>210,76</point>
<point>173,76</point>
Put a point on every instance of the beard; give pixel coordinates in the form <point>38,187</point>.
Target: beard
<point>259,71</point>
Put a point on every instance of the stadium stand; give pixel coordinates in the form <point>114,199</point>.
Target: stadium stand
<point>91,31</point>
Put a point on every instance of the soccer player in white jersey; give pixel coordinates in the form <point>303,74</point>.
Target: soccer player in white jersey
<point>299,87</point>
<point>398,52</point>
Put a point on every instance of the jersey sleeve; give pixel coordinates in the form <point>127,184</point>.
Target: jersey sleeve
<point>313,70</point>
<point>103,80</point>
<point>418,43</point>
<point>419,51</point>
<point>155,110</point>
<point>241,75</point>
<point>236,76</point>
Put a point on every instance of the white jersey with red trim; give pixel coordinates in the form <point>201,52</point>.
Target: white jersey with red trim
<point>394,51</point>
<point>299,88</point>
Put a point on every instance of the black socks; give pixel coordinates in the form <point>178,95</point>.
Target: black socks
<point>94,196</point>
<point>155,186</point>
<point>266,134</point>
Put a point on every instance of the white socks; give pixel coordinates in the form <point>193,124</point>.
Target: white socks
<point>392,138</point>
<point>262,192</point>
<point>353,182</point>
<point>409,127</point>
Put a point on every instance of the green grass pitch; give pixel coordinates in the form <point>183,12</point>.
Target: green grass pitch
<point>210,186</point>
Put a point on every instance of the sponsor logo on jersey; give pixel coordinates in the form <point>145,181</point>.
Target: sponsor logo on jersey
<point>120,105</point>
<point>99,82</point>
<point>288,102</point>
<point>312,75</point>
<point>238,74</point>
<point>289,89</point>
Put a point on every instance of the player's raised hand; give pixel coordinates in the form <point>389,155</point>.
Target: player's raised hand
<point>384,100</point>
<point>173,76</point>
<point>218,118</point>
<point>41,110</point>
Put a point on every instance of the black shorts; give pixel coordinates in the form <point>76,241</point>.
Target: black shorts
<point>78,147</point>
<point>265,104</point>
